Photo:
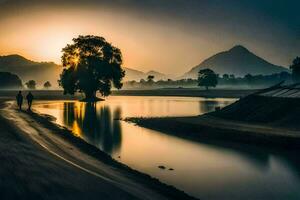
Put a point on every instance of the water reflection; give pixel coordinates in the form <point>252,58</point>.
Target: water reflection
<point>95,123</point>
<point>206,169</point>
<point>208,106</point>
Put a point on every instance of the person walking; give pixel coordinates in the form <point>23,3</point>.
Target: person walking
<point>19,98</point>
<point>29,98</point>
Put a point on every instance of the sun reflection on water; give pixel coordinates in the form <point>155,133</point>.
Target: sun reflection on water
<point>205,170</point>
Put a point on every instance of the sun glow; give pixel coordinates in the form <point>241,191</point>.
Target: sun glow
<point>75,60</point>
<point>45,33</point>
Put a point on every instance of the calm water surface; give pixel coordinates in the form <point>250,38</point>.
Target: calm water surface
<point>205,170</point>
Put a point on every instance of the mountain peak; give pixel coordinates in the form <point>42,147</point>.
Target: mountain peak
<point>238,61</point>
<point>13,56</point>
<point>238,48</point>
<point>15,59</point>
<point>152,72</point>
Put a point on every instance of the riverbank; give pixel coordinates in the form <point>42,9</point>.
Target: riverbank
<point>43,160</point>
<point>255,120</point>
<point>58,94</point>
<point>217,129</point>
<point>213,93</point>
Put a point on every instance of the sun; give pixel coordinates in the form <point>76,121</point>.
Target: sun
<point>76,60</point>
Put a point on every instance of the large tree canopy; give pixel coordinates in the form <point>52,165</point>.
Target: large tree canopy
<point>207,78</point>
<point>91,64</point>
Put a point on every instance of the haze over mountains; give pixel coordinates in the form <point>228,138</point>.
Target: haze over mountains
<point>27,69</point>
<point>132,74</point>
<point>238,61</point>
<point>49,71</point>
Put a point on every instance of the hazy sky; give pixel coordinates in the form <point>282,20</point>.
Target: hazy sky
<point>170,36</point>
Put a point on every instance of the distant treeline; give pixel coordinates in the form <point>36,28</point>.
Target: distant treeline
<point>12,81</point>
<point>222,81</point>
<point>9,81</point>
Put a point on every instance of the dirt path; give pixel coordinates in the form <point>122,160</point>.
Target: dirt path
<point>37,163</point>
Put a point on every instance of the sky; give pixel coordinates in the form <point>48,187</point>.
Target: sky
<point>170,36</point>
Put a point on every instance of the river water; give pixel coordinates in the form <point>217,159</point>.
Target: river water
<point>207,170</point>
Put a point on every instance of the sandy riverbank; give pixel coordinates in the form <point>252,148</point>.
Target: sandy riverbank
<point>212,128</point>
<point>255,120</point>
<point>44,161</point>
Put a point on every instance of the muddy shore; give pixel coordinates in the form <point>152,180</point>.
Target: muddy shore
<point>254,120</point>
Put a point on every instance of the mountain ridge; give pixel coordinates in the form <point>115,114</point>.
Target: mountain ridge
<point>27,69</point>
<point>238,61</point>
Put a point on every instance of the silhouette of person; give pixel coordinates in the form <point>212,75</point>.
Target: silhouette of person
<point>29,98</point>
<point>19,98</point>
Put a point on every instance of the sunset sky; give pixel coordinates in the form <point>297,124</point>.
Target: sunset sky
<point>170,36</point>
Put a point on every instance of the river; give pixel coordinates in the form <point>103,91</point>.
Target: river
<point>207,170</point>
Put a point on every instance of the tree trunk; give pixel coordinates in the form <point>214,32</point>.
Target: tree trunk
<point>91,97</point>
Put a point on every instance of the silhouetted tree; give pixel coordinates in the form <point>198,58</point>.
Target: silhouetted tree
<point>295,67</point>
<point>232,79</point>
<point>249,78</point>
<point>225,76</point>
<point>31,84</point>
<point>189,81</point>
<point>91,64</point>
<point>47,85</point>
<point>142,81</point>
<point>284,75</point>
<point>132,83</point>
<point>150,79</point>
<point>10,81</point>
<point>207,78</point>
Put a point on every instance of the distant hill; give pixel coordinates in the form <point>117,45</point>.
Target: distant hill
<point>157,75</point>
<point>132,74</point>
<point>49,71</point>
<point>27,69</point>
<point>10,81</point>
<point>238,61</point>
